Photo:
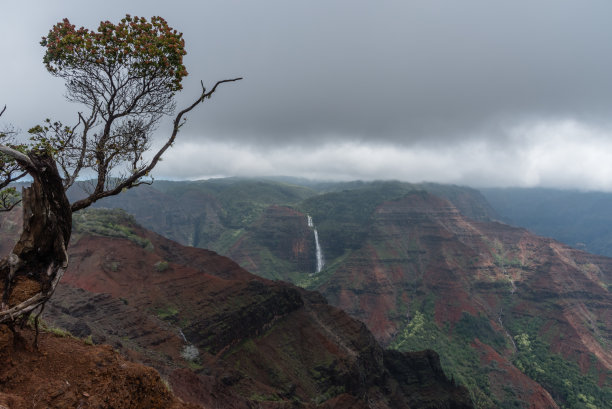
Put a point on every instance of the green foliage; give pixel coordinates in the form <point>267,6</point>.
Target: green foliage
<point>166,384</point>
<point>225,240</point>
<point>273,267</point>
<point>109,223</point>
<point>141,47</point>
<point>262,397</point>
<point>238,214</point>
<point>10,171</point>
<point>161,266</point>
<point>166,312</point>
<point>50,137</point>
<point>235,204</point>
<point>567,384</point>
<point>9,197</point>
<point>470,327</point>
<point>314,281</point>
<point>459,361</point>
<point>57,331</point>
<point>244,201</point>
<point>60,332</point>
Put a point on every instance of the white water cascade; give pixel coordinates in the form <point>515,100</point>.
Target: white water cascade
<point>320,259</point>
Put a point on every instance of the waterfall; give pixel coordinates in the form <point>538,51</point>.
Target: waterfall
<point>182,335</point>
<point>319,252</point>
<point>320,260</point>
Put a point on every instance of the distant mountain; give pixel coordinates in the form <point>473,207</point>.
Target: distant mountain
<point>213,213</point>
<point>580,219</point>
<point>521,320</point>
<point>206,214</point>
<point>223,337</point>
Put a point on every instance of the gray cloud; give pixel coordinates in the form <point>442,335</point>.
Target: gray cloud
<point>564,154</point>
<point>415,76</point>
<point>406,71</point>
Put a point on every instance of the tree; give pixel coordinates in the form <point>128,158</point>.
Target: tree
<point>10,171</point>
<point>125,75</point>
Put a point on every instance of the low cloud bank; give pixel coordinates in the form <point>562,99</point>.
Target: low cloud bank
<point>564,154</point>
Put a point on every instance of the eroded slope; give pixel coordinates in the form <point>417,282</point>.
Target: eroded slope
<point>222,335</point>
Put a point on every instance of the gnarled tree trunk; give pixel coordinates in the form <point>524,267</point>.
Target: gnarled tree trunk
<point>31,272</point>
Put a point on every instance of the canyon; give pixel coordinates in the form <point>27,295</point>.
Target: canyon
<point>220,336</point>
<point>521,320</point>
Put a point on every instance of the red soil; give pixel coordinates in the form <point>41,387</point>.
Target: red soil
<point>67,373</point>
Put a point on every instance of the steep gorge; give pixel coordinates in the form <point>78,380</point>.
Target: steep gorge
<point>484,285</point>
<point>521,320</point>
<point>497,302</point>
<point>222,336</point>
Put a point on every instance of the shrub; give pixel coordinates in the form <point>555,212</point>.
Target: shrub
<point>161,266</point>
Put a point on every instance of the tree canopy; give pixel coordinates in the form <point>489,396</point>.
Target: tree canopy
<point>124,77</point>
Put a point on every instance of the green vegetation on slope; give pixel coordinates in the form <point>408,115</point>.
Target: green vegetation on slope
<point>237,204</point>
<point>343,218</point>
<point>109,223</point>
<point>459,361</point>
<point>563,379</point>
<point>571,388</point>
<point>239,194</point>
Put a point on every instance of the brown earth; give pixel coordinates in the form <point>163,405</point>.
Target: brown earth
<point>23,289</point>
<point>67,373</point>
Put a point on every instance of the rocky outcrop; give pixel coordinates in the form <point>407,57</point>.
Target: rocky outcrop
<point>242,318</point>
<point>422,371</point>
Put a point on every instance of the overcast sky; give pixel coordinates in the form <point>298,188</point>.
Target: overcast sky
<point>482,93</point>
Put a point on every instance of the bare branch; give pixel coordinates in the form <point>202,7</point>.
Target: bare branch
<point>134,179</point>
<point>8,178</point>
<point>81,149</point>
<point>11,170</point>
<point>208,95</point>
<point>18,156</point>
<point>7,202</point>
